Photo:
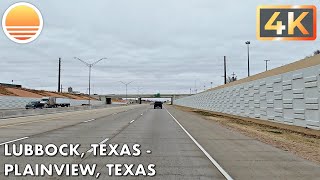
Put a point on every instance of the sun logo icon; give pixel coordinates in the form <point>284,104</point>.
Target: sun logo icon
<point>22,22</point>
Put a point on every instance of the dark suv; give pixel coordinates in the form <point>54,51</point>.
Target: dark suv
<point>34,105</point>
<point>158,104</point>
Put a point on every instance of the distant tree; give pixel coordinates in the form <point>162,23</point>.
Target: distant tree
<point>316,52</point>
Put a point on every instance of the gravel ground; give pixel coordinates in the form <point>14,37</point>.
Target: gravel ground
<point>302,142</point>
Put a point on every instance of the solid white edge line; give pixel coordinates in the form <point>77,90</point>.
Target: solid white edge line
<point>14,141</point>
<point>105,140</point>
<point>214,162</point>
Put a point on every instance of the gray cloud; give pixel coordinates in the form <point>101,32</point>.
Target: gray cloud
<point>163,46</point>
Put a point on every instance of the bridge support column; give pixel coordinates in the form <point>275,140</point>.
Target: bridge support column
<point>108,101</point>
<point>171,100</point>
<point>139,101</point>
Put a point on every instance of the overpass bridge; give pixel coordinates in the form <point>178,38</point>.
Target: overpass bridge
<point>107,98</point>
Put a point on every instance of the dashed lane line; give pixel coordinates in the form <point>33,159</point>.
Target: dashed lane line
<point>14,141</point>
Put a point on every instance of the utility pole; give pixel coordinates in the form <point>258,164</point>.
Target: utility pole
<point>59,76</point>
<point>225,70</point>
<point>90,66</point>
<point>138,90</point>
<point>266,64</point>
<point>248,44</point>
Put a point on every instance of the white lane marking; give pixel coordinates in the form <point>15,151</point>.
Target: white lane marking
<point>97,176</point>
<point>214,162</point>
<point>131,121</point>
<point>14,141</point>
<point>148,151</point>
<point>105,140</point>
<point>89,120</point>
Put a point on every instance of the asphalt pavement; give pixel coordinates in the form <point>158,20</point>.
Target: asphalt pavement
<point>148,144</point>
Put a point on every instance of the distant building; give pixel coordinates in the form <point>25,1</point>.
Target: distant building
<point>10,85</point>
<point>70,90</point>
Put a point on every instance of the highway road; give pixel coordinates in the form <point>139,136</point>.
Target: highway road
<point>179,144</point>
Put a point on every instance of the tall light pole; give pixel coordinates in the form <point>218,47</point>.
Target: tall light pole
<point>196,86</point>
<point>248,45</point>
<point>266,64</point>
<point>90,66</point>
<point>138,89</point>
<point>126,84</point>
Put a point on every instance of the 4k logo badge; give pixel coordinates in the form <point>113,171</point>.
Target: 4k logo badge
<point>287,22</point>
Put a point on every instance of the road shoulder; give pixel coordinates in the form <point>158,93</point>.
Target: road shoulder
<point>242,156</point>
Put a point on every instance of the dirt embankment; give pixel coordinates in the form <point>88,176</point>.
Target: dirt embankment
<point>32,93</point>
<point>298,140</point>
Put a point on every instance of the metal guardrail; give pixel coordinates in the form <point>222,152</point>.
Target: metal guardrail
<point>32,112</point>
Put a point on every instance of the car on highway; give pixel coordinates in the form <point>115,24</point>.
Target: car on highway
<point>34,105</point>
<point>157,104</point>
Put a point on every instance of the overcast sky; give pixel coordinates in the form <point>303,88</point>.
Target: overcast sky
<point>162,45</point>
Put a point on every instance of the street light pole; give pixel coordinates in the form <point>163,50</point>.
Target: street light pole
<point>126,84</point>
<point>138,90</point>
<point>248,44</point>
<point>266,64</point>
<point>90,66</point>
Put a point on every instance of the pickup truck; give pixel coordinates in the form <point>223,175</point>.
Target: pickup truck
<point>52,102</point>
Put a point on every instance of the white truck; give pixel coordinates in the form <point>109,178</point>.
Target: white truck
<point>53,102</point>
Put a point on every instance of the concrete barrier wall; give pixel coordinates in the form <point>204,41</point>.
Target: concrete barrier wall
<point>289,97</point>
<point>31,112</point>
<point>13,102</point>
